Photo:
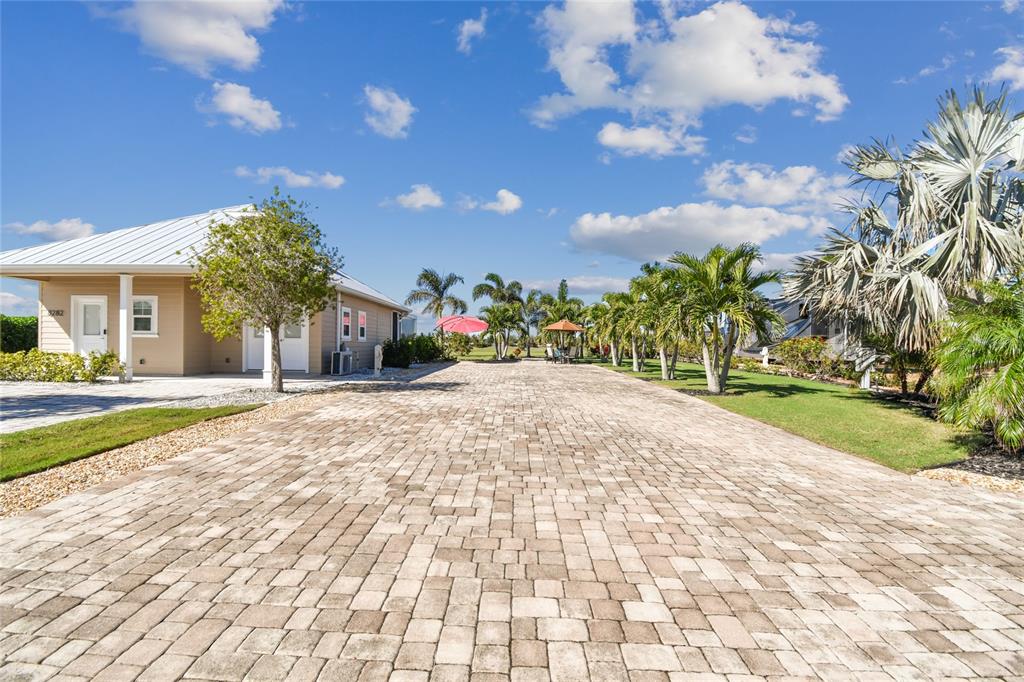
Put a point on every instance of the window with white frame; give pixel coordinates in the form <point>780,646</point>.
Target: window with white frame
<point>362,326</point>
<point>346,324</point>
<point>144,316</point>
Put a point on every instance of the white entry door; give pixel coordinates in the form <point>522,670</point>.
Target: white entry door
<point>253,347</point>
<point>294,347</point>
<point>90,324</point>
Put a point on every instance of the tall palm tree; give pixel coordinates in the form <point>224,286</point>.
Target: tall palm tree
<point>958,201</point>
<point>434,291</point>
<point>723,304</point>
<point>532,314</point>
<point>502,319</point>
<point>498,290</point>
<point>562,306</point>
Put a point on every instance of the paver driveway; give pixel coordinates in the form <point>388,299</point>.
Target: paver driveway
<point>518,520</point>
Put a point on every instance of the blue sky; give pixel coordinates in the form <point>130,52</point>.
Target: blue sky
<point>537,141</point>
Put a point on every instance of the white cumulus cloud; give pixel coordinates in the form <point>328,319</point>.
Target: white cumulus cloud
<point>200,35</point>
<point>746,134</point>
<point>243,110</point>
<point>65,228</point>
<point>803,189</point>
<point>12,304</point>
<point>1011,69</point>
<point>471,29</point>
<point>420,197</point>
<point>651,140</point>
<point>290,178</point>
<point>673,68</point>
<point>389,114</point>
<point>505,203</point>
<point>690,227</point>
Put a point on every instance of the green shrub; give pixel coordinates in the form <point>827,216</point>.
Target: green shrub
<point>811,355</point>
<point>426,348</point>
<point>36,365</point>
<point>18,333</point>
<point>980,379</point>
<point>458,344</point>
<point>398,353</point>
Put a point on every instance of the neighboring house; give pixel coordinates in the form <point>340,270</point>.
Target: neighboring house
<point>93,288</point>
<point>800,323</point>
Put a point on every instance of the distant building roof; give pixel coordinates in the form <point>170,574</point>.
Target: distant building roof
<point>164,247</point>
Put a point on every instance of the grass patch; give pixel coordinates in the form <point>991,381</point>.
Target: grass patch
<point>897,435</point>
<point>487,354</point>
<point>26,452</point>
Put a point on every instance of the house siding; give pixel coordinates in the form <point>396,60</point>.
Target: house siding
<point>378,328</point>
<point>150,355</point>
<point>182,346</point>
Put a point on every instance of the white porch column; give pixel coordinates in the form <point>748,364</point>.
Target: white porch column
<point>124,328</point>
<point>268,353</point>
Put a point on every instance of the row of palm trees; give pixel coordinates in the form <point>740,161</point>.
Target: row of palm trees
<point>510,314</point>
<point>706,305</point>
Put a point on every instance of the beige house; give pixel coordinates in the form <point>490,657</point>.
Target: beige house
<point>130,290</point>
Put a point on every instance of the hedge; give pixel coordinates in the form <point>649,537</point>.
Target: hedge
<point>35,365</point>
<point>18,333</point>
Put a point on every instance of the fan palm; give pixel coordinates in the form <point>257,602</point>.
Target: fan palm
<point>723,305</point>
<point>957,198</point>
<point>434,291</point>
<point>980,361</point>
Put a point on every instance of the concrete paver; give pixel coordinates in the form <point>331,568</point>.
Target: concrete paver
<point>515,521</point>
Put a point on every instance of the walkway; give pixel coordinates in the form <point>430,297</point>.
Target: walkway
<point>523,521</point>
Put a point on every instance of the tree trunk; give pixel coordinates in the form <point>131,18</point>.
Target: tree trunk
<point>663,356</point>
<point>636,357</point>
<point>926,374</point>
<point>528,344</point>
<point>730,344</point>
<point>276,380</point>
<point>710,368</point>
<point>675,359</point>
<point>615,353</point>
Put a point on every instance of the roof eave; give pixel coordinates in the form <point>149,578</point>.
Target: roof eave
<point>378,299</point>
<point>41,270</point>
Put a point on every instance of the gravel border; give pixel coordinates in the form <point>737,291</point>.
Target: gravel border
<point>23,494</point>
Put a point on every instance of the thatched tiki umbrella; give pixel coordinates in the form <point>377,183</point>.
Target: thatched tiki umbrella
<point>563,326</point>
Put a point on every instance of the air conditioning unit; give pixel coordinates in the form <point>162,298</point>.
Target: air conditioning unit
<point>341,362</point>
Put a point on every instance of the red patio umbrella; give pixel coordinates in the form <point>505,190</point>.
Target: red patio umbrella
<point>463,324</point>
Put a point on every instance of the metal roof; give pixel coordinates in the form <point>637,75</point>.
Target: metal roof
<point>164,247</point>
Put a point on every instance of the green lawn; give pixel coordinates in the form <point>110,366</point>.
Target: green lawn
<point>32,450</point>
<point>841,417</point>
<point>486,354</point>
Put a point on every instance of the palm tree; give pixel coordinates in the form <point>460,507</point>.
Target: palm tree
<point>434,290</point>
<point>980,363</point>
<point>561,306</point>
<point>502,319</point>
<point>958,201</point>
<point>532,314</point>
<point>496,289</point>
<point>723,304</point>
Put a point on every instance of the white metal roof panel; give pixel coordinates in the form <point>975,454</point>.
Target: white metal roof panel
<point>162,247</point>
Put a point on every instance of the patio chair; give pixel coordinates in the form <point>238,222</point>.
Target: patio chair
<point>570,356</point>
<point>549,353</point>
